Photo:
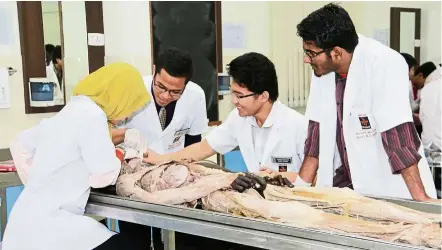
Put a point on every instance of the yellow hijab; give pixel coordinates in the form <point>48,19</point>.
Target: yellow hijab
<point>117,88</point>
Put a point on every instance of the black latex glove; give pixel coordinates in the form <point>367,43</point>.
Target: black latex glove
<point>278,181</point>
<point>243,182</point>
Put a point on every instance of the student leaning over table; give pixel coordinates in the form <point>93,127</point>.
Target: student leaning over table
<point>61,158</point>
<point>359,108</point>
<point>270,135</point>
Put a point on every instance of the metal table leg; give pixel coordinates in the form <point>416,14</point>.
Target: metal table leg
<point>433,172</point>
<point>4,212</point>
<point>169,239</point>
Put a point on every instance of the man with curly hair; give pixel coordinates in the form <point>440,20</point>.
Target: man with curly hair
<point>359,113</point>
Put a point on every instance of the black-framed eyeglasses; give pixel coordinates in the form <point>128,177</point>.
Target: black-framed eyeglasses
<point>236,95</point>
<point>161,89</point>
<point>312,54</point>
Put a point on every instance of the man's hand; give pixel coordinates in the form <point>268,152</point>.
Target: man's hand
<point>266,170</point>
<point>152,157</point>
<point>308,169</point>
<point>244,182</point>
<point>437,201</point>
<point>414,183</point>
<point>278,180</point>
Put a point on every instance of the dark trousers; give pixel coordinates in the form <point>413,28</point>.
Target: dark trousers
<point>118,242</point>
<point>140,235</point>
<point>140,238</point>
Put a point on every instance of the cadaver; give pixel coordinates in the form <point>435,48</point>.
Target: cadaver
<point>342,210</point>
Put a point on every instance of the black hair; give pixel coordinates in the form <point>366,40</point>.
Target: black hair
<point>328,27</point>
<point>175,62</point>
<point>410,60</point>
<point>255,72</point>
<point>49,48</point>
<point>426,69</point>
<point>56,54</point>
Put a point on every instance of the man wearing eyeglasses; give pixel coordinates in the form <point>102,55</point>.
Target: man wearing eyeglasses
<point>359,113</point>
<point>177,116</point>
<point>270,135</point>
<point>175,119</point>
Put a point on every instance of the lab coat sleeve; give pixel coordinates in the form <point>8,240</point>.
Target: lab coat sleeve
<point>391,104</point>
<point>401,144</point>
<point>302,127</point>
<point>23,149</point>
<point>425,106</point>
<point>199,124</point>
<point>222,139</point>
<point>98,151</point>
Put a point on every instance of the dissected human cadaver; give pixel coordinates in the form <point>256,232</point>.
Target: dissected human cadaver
<point>339,210</point>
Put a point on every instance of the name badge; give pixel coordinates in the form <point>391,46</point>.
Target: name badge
<point>282,168</point>
<point>176,142</point>
<point>182,132</point>
<point>365,123</point>
<point>282,160</point>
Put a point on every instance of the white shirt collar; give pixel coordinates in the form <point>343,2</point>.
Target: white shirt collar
<point>270,118</point>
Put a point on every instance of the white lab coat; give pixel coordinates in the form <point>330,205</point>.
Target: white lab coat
<point>284,145</point>
<point>68,152</point>
<point>430,109</point>
<point>375,90</point>
<point>52,76</point>
<point>413,103</point>
<point>190,117</point>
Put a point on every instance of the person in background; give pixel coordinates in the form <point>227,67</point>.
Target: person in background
<point>49,48</point>
<point>412,64</point>
<point>430,112</point>
<point>64,156</point>
<point>175,119</point>
<point>359,113</point>
<point>418,80</point>
<point>57,61</point>
<point>54,72</point>
<point>414,92</point>
<point>428,77</point>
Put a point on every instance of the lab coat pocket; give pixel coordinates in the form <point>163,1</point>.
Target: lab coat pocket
<point>364,127</point>
<point>363,136</point>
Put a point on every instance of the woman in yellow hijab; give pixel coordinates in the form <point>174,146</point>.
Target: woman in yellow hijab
<point>117,88</point>
<point>60,159</point>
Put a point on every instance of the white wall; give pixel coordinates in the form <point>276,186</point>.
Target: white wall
<point>51,23</point>
<point>76,59</point>
<point>258,39</point>
<point>127,32</point>
<point>14,119</point>
<point>128,38</point>
<point>430,23</point>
